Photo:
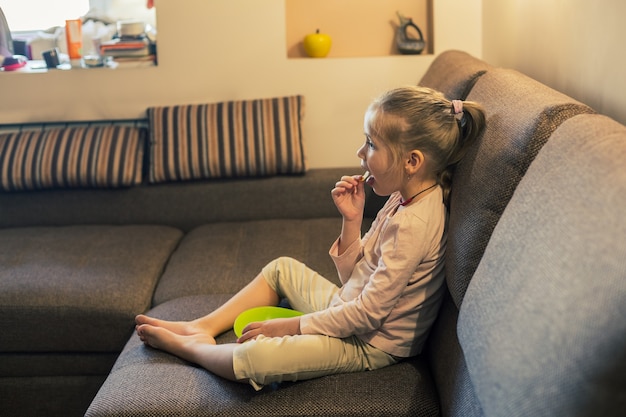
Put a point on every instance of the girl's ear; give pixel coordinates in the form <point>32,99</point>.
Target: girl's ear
<point>414,161</point>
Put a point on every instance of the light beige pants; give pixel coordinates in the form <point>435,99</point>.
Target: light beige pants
<point>291,358</point>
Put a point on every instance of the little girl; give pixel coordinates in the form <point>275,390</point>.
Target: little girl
<point>392,278</point>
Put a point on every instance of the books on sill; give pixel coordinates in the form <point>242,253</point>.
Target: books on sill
<point>129,47</point>
<point>131,62</point>
<point>132,51</point>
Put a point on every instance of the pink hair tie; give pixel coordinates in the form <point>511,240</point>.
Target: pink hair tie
<point>459,115</point>
<point>457,107</point>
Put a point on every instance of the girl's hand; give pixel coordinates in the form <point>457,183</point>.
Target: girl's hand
<point>271,328</point>
<point>349,196</point>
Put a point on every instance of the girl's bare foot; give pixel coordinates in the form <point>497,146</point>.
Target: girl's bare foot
<point>183,328</point>
<point>168,341</point>
<point>199,348</point>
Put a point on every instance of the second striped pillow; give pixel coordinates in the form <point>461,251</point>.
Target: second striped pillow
<point>228,139</point>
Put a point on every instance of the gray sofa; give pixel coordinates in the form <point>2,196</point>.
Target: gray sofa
<point>532,325</point>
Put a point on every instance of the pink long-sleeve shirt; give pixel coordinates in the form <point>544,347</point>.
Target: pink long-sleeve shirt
<point>392,279</point>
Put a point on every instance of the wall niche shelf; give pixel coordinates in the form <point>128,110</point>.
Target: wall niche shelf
<point>358,28</point>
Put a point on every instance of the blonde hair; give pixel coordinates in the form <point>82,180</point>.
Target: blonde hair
<point>412,117</point>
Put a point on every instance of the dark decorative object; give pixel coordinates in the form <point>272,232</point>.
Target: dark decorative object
<point>406,44</point>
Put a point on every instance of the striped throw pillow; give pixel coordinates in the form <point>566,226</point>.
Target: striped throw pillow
<point>228,139</point>
<point>104,156</point>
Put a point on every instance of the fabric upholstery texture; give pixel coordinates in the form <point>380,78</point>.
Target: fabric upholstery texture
<point>454,73</point>
<point>445,357</point>
<point>486,177</point>
<point>542,323</point>
<point>50,396</point>
<point>90,156</point>
<point>22,364</point>
<point>240,249</point>
<point>147,382</point>
<point>77,288</point>
<point>229,139</point>
<point>184,205</point>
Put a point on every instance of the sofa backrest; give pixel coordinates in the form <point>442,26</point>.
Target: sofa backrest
<point>521,115</point>
<point>182,204</point>
<point>454,73</point>
<point>542,323</point>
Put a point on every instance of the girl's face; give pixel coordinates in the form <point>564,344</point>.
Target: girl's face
<point>377,158</point>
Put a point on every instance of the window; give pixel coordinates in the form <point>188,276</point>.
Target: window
<point>20,15</point>
<point>48,14</point>
<point>38,26</point>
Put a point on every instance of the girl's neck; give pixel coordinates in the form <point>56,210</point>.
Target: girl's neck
<point>420,194</point>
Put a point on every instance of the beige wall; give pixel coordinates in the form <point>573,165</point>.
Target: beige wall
<point>574,46</point>
<point>236,49</point>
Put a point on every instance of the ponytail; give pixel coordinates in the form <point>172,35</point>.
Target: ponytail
<point>470,118</point>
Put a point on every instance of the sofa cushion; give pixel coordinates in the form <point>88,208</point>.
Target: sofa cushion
<point>542,323</point>
<point>521,115</point>
<point>77,288</point>
<point>224,257</point>
<point>454,73</point>
<point>228,139</point>
<point>150,383</point>
<point>91,156</point>
<point>36,396</point>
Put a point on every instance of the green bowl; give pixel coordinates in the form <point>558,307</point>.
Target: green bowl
<point>262,314</point>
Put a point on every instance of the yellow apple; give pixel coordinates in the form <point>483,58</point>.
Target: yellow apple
<point>317,45</point>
